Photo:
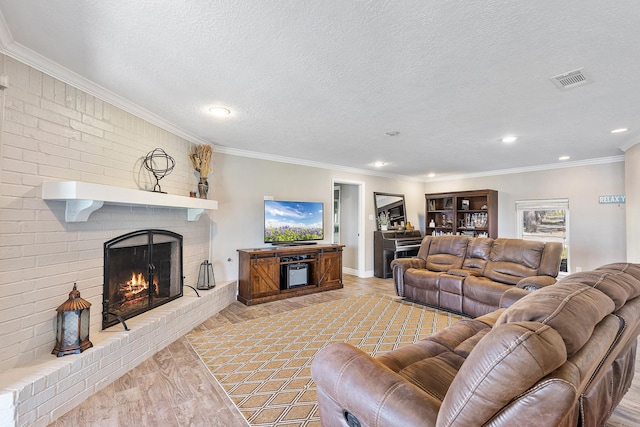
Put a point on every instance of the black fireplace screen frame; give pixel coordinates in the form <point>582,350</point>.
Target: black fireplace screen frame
<point>146,242</point>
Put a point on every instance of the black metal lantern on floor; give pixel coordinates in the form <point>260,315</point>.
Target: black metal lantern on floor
<point>206,278</point>
<point>72,328</point>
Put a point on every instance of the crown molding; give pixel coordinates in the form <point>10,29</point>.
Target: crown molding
<point>537,168</point>
<point>310,163</point>
<point>628,145</point>
<point>6,38</point>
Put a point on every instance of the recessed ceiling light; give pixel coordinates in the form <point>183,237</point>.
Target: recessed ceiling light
<point>379,164</point>
<point>431,175</point>
<point>562,158</point>
<point>509,139</point>
<point>219,111</point>
<point>619,130</point>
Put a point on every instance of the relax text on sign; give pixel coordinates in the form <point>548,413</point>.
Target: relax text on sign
<point>619,198</point>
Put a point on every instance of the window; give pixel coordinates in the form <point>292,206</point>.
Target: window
<point>547,221</point>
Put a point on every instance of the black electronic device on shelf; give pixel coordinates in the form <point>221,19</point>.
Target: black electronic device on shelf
<point>293,258</point>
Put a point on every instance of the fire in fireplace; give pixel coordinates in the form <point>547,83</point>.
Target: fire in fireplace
<point>142,270</point>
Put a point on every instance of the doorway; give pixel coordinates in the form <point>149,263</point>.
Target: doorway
<point>347,223</point>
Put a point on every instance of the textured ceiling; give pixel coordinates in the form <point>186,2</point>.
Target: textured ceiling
<point>324,80</point>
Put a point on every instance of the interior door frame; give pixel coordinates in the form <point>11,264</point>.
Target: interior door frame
<point>360,218</point>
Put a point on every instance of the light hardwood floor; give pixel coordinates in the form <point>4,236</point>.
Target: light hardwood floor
<point>173,388</point>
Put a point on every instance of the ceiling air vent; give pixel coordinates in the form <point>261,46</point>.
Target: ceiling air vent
<point>571,79</point>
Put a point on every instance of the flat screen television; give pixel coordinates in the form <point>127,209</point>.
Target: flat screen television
<point>293,222</point>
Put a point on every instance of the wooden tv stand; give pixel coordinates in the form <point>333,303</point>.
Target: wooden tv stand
<point>274,273</point>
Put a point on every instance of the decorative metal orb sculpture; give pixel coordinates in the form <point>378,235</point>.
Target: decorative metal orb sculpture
<point>160,164</point>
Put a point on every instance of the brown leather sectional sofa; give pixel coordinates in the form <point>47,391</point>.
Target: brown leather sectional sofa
<point>469,275</point>
<point>563,355</point>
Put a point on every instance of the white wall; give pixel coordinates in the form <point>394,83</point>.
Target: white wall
<point>597,232</point>
<point>240,184</point>
<point>349,225</point>
<point>632,182</point>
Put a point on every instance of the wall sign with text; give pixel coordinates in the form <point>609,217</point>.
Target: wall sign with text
<point>616,198</point>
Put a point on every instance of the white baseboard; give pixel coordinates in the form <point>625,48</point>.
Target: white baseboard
<point>358,273</point>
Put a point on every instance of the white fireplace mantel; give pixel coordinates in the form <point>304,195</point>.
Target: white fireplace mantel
<point>84,198</point>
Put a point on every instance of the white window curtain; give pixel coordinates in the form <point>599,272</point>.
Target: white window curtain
<point>545,220</point>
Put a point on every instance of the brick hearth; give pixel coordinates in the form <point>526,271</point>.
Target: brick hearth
<point>40,392</point>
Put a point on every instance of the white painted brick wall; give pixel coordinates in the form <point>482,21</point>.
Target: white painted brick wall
<point>53,132</point>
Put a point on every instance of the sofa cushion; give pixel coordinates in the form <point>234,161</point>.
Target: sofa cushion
<point>525,252</point>
<point>423,279</point>
<point>618,281</point>
<point>572,309</point>
<point>551,258</point>
<point>455,339</point>
<point>446,253</point>
<point>424,247</point>
<point>478,252</point>
<point>432,363</point>
<point>513,259</point>
<point>505,363</point>
<point>484,290</point>
<point>624,267</point>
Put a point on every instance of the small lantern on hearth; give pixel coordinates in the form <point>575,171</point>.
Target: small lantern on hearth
<point>72,328</point>
<point>206,279</point>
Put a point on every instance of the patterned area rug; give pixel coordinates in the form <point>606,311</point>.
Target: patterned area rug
<point>264,365</point>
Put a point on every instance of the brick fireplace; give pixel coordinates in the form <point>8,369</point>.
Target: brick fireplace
<point>54,132</point>
<point>142,271</point>
<point>38,391</point>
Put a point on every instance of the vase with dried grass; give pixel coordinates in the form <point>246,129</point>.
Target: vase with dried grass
<point>200,159</point>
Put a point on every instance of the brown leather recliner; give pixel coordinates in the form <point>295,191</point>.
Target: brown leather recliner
<point>560,356</point>
<point>469,275</point>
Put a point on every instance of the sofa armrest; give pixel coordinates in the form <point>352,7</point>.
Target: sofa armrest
<point>406,263</point>
<point>349,379</point>
<point>533,283</point>
<point>399,266</point>
<point>512,295</point>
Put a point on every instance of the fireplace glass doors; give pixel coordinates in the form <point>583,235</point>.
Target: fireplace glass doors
<point>142,270</point>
